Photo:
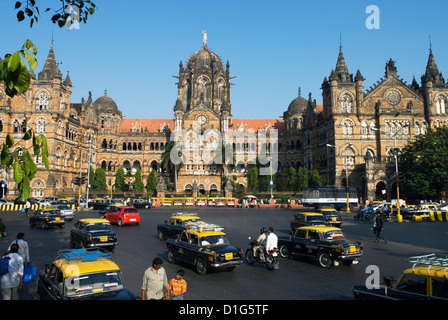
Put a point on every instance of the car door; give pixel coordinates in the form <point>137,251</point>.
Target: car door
<point>298,242</point>
<point>51,285</point>
<point>76,233</point>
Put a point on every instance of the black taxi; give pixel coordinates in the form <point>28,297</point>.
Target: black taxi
<point>426,279</point>
<point>179,222</point>
<point>302,219</point>
<point>90,232</point>
<point>46,217</point>
<point>204,248</point>
<point>82,274</point>
<point>325,243</point>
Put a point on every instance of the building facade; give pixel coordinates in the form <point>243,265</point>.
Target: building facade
<point>352,135</point>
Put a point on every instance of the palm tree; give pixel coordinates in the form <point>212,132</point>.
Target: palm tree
<point>168,164</point>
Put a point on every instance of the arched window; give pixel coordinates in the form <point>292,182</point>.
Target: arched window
<point>42,100</point>
<point>346,101</point>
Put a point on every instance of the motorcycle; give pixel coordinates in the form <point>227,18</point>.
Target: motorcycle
<point>269,259</point>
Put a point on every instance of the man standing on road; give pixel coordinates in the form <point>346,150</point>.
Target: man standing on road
<point>154,280</point>
<point>11,281</point>
<point>378,229</point>
<point>24,250</point>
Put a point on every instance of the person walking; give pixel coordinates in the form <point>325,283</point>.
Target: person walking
<point>177,286</point>
<point>154,280</point>
<point>379,228</point>
<point>11,281</point>
<point>24,250</point>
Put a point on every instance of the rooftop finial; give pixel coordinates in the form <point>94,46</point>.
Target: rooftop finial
<point>204,37</point>
<point>340,41</point>
<point>300,91</point>
<point>430,44</point>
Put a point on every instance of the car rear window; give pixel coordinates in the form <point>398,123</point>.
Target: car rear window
<point>93,283</point>
<point>130,210</point>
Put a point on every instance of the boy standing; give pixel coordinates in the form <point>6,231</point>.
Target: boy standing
<point>178,286</point>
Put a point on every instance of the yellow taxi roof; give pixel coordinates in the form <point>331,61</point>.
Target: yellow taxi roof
<point>94,220</point>
<point>69,268</point>
<point>311,213</point>
<point>319,228</point>
<point>426,270</point>
<point>327,209</point>
<point>186,217</point>
<point>206,233</point>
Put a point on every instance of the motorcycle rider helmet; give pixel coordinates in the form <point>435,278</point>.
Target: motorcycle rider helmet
<point>263,230</point>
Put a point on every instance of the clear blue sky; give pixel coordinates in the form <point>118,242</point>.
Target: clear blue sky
<point>133,48</point>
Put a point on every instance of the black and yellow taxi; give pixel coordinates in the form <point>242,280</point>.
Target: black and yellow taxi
<point>302,219</point>
<point>46,217</point>
<point>91,232</point>
<point>332,216</point>
<point>327,244</point>
<point>204,248</point>
<point>178,223</point>
<point>83,274</point>
<point>427,279</point>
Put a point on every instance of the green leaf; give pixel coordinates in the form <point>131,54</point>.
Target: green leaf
<point>9,141</point>
<point>30,166</point>
<point>32,62</point>
<point>28,135</point>
<point>14,61</point>
<point>44,152</point>
<point>25,190</point>
<point>23,79</point>
<point>6,156</point>
<point>18,172</point>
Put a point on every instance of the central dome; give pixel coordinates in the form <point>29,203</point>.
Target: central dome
<point>298,105</point>
<point>204,57</point>
<point>105,104</point>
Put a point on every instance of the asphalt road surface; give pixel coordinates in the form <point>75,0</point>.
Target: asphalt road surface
<point>296,279</point>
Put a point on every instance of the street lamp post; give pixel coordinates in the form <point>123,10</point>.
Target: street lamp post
<point>88,174</point>
<point>347,188</point>
<point>395,153</point>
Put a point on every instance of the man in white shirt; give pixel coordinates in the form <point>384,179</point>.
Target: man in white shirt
<point>11,282</point>
<point>24,250</point>
<point>271,240</point>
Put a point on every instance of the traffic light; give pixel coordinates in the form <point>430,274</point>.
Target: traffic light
<point>344,182</point>
<point>83,180</point>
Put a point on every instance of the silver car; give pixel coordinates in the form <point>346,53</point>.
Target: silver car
<point>67,212</point>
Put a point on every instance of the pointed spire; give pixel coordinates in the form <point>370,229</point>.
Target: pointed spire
<point>341,72</point>
<point>68,81</point>
<point>51,68</point>
<point>432,71</point>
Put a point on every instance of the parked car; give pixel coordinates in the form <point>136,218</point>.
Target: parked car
<point>92,232</point>
<point>179,222</point>
<point>121,214</point>
<point>82,274</point>
<point>66,211</point>
<point>4,202</point>
<point>327,244</point>
<point>101,205</point>
<point>46,217</point>
<point>425,280</point>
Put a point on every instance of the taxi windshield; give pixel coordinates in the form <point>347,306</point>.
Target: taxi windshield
<point>93,283</point>
<point>333,235</point>
<point>216,240</point>
<point>98,227</point>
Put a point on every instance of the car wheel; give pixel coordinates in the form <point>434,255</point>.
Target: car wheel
<point>250,257</point>
<point>284,251</point>
<point>171,256</point>
<point>325,260</point>
<point>161,235</point>
<point>200,266</point>
<point>120,222</point>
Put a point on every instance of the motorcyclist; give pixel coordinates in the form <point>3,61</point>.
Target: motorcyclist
<point>260,240</point>
<point>271,240</point>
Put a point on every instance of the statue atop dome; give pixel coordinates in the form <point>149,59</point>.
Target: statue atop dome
<point>204,37</point>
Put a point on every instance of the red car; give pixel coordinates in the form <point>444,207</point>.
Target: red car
<point>121,215</point>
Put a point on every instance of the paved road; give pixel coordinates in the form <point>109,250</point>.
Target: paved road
<point>295,280</point>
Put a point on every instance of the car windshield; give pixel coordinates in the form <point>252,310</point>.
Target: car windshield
<point>93,283</point>
<point>316,218</point>
<point>98,227</point>
<point>333,235</point>
<point>214,240</point>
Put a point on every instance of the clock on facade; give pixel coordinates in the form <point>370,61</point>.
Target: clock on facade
<point>201,119</point>
<point>393,98</point>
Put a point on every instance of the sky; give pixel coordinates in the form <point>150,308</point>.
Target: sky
<point>133,48</point>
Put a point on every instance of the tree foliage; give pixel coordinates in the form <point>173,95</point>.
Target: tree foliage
<point>137,185</point>
<point>68,11</point>
<point>151,182</point>
<point>12,155</point>
<point>424,164</point>
<point>119,179</point>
